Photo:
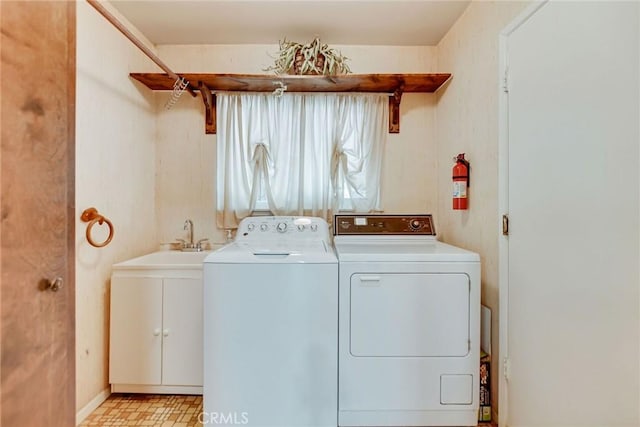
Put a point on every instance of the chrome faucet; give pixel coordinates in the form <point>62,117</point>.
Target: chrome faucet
<point>188,245</point>
<point>188,225</point>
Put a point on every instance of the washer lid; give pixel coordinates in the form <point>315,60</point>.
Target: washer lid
<point>394,249</point>
<point>274,252</point>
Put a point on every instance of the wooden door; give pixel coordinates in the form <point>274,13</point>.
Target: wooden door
<point>37,330</point>
<point>573,202</point>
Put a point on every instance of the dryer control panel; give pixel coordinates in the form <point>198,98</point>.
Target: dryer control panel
<point>383,225</point>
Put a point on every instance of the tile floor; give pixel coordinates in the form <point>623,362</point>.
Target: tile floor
<point>147,410</point>
<point>153,410</point>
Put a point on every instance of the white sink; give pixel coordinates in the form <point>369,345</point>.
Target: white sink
<point>165,259</point>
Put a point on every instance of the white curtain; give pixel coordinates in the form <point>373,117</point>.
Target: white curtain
<point>302,154</point>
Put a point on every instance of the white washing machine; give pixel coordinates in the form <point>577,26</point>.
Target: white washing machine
<point>409,324</point>
<point>271,326</point>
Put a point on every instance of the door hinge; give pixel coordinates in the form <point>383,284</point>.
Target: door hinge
<point>506,368</point>
<point>505,80</point>
<point>505,225</point>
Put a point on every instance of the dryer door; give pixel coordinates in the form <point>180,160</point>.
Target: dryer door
<point>409,315</point>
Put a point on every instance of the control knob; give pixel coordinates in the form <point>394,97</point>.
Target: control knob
<point>251,226</point>
<point>281,227</point>
<point>300,227</point>
<point>314,227</point>
<point>264,227</point>
<point>415,224</point>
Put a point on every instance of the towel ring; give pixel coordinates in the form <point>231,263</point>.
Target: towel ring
<point>92,216</point>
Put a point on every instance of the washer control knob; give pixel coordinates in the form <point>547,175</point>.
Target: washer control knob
<point>415,224</point>
<point>281,227</point>
<point>314,227</point>
<point>264,226</point>
<point>251,226</point>
<point>300,227</point>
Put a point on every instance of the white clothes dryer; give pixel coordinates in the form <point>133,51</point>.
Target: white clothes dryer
<point>270,326</point>
<point>409,324</point>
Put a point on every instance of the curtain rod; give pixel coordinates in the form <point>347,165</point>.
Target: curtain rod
<point>128,34</point>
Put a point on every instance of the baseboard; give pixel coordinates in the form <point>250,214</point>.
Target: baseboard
<point>92,405</point>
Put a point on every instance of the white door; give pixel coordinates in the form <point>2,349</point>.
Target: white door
<point>136,330</point>
<point>572,250</point>
<point>182,332</point>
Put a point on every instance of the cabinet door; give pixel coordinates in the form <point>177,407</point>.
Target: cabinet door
<point>182,332</point>
<point>136,330</point>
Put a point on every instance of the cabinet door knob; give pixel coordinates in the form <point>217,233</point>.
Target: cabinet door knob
<point>165,333</point>
<point>156,332</point>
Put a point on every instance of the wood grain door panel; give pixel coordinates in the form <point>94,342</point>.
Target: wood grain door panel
<point>37,329</point>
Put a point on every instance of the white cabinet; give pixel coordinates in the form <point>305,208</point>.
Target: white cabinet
<point>182,332</point>
<point>135,353</point>
<point>156,330</point>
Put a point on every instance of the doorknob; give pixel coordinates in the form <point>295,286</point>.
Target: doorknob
<point>53,285</point>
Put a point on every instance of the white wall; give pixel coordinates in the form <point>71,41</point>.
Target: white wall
<point>467,121</point>
<point>115,172</point>
<point>186,156</point>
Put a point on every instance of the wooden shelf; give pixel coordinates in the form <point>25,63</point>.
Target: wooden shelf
<point>393,84</point>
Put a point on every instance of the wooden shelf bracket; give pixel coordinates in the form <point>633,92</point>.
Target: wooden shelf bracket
<point>209,100</point>
<point>394,110</point>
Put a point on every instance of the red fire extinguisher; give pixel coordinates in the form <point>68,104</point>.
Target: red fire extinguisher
<point>461,172</point>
